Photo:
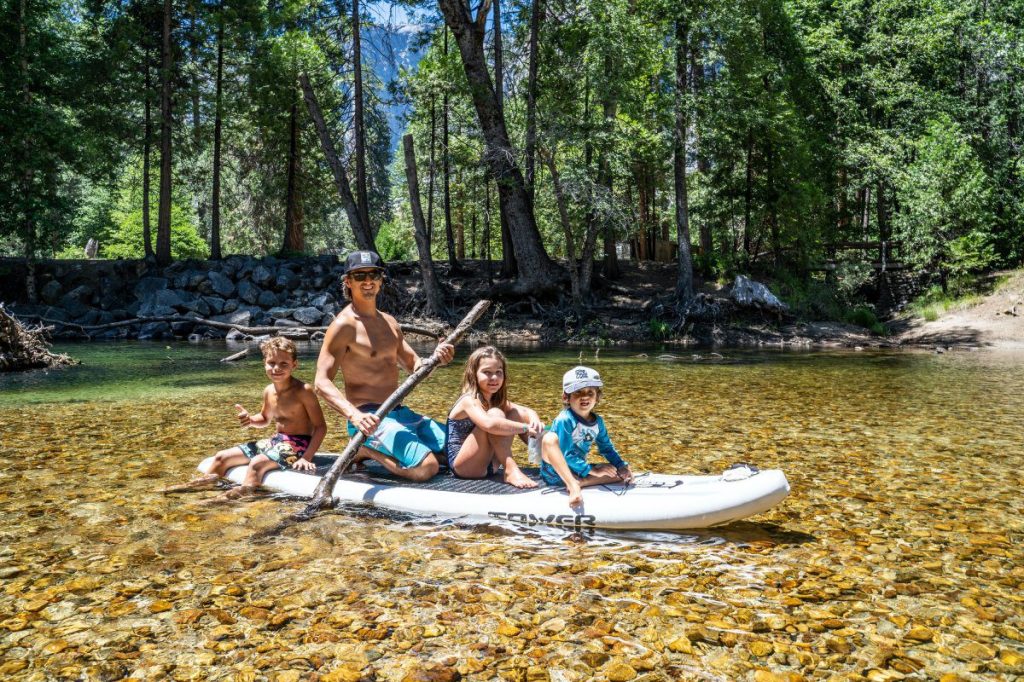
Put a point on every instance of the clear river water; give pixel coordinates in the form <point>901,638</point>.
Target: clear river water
<point>898,555</point>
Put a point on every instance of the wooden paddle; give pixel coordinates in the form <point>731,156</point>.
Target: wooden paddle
<point>322,497</point>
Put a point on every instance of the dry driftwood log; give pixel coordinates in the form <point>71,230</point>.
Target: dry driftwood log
<point>252,331</point>
<point>25,348</point>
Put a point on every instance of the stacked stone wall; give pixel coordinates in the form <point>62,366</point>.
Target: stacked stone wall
<point>239,290</point>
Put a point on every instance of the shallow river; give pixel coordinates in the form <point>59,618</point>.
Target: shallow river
<point>897,555</point>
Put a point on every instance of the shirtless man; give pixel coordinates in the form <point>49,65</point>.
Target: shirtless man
<point>368,347</point>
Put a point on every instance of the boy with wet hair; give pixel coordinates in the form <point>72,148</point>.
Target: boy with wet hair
<point>292,406</point>
<point>566,445</point>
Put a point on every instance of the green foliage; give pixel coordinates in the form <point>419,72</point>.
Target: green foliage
<point>946,197</point>
<point>125,237</point>
<point>935,302</point>
<point>863,316</point>
<point>810,123</point>
<point>659,329</point>
<point>395,242</point>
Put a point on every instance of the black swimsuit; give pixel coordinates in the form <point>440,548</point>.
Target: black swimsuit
<point>458,430</point>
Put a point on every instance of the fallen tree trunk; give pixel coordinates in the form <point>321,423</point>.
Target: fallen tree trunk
<point>85,328</point>
<point>22,348</point>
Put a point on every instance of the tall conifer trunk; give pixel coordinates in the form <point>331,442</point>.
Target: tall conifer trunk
<point>29,226</point>
<point>359,127</point>
<point>531,99</point>
<point>217,132</point>
<point>147,143</point>
<point>435,299</point>
<point>537,272</point>
<point>294,231</point>
<point>684,281</point>
<point>446,158</point>
<point>703,162</point>
<point>611,258</point>
<point>361,232</point>
<point>163,229</point>
<point>509,268</point>
<point>430,182</point>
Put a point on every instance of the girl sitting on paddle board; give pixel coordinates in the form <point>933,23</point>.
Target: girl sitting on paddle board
<point>568,442</point>
<point>483,422</point>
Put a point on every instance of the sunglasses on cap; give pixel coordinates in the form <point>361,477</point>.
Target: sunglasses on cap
<point>362,276</point>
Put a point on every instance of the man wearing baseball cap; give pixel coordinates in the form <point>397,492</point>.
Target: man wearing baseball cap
<point>368,346</point>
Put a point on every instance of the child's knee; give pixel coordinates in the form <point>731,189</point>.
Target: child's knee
<point>514,415</point>
<point>262,463</point>
<point>223,456</point>
<point>497,412</point>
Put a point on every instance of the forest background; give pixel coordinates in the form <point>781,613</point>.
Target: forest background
<point>810,140</point>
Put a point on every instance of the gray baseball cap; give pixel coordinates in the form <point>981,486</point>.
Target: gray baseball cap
<point>360,260</point>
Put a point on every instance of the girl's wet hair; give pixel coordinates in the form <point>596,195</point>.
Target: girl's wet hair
<point>279,343</point>
<point>469,384</point>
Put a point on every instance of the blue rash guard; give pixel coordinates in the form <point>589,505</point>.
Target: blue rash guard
<point>575,438</point>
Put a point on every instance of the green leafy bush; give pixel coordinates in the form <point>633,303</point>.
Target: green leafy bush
<point>125,237</point>
<point>395,242</point>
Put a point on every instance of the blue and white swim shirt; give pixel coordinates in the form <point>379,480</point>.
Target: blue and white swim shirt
<point>576,436</point>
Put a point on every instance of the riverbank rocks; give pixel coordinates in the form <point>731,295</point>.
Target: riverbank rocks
<point>240,290</point>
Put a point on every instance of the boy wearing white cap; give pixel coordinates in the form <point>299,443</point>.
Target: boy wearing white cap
<point>568,442</point>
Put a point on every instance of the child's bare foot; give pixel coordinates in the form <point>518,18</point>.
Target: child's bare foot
<point>201,483</point>
<point>233,494</point>
<point>239,492</point>
<point>516,477</point>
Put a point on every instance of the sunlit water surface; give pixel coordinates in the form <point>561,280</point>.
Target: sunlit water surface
<point>898,553</point>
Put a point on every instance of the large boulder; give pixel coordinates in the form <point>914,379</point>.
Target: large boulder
<point>199,306</point>
<point>154,330</point>
<point>242,318</point>
<point>216,304</point>
<point>279,313</point>
<point>148,286</point>
<point>286,280</point>
<point>190,279</point>
<point>248,292</point>
<point>262,275</point>
<point>76,301</point>
<point>308,315</point>
<point>268,299</point>
<point>167,297</point>
<point>748,293</point>
<point>221,284</point>
<point>51,292</point>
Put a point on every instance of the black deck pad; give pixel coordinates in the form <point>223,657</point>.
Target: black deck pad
<point>371,472</point>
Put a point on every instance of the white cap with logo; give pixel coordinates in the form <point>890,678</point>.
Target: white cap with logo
<point>580,377</point>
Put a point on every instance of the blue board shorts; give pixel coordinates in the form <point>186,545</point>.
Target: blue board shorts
<point>403,435</point>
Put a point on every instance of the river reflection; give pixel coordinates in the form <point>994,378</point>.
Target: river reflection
<point>897,555</point>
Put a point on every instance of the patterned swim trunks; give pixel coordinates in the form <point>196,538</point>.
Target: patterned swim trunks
<point>282,448</point>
